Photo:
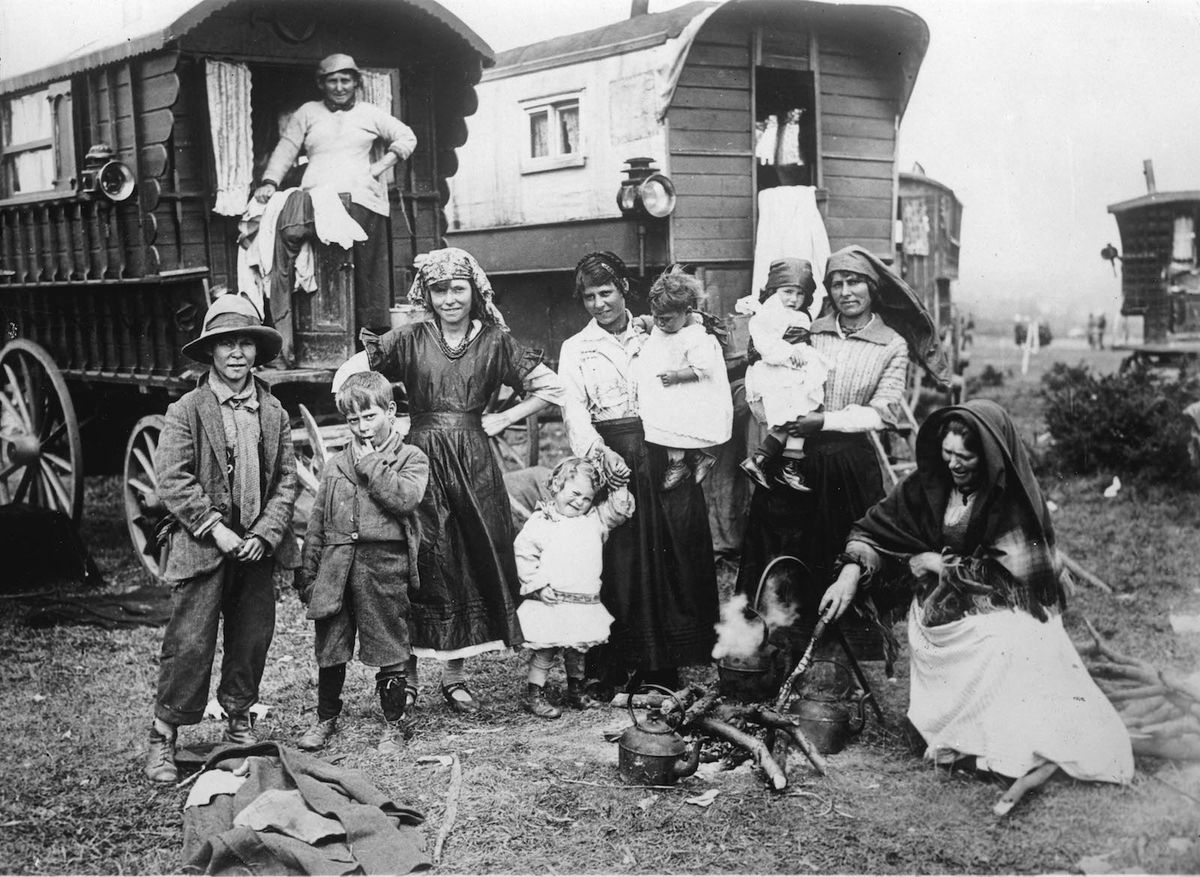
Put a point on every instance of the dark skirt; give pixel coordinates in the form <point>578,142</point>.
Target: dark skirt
<point>659,579</point>
<point>843,472</point>
<point>468,574</point>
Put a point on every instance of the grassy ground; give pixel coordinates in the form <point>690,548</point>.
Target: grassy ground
<point>544,797</point>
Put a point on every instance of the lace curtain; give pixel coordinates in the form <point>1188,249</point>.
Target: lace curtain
<point>228,85</point>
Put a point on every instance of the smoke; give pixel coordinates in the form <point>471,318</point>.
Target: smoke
<point>738,635</point>
<point>740,630</point>
<point>775,610</point>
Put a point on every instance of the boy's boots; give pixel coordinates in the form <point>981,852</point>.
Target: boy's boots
<point>330,681</point>
<point>160,760</point>
<point>536,703</point>
<point>577,696</point>
<point>391,687</point>
<point>240,730</point>
<point>318,735</point>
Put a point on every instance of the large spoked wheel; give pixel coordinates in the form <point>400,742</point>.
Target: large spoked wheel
<point>144,511</point>
<point>41,456</point>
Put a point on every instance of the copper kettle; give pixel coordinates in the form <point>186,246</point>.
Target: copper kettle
<point>650,752</point>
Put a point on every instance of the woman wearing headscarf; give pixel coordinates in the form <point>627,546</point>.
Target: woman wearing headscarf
<point>451,366</point>
<point>659,577</point>
<point>875,324</point>
<point>967,540</point>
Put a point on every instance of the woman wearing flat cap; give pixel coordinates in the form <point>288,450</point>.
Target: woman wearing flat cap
<point>337,134</point>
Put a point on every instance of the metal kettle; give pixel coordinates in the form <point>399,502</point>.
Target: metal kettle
<point>651,753</point>
<point>826,719</point>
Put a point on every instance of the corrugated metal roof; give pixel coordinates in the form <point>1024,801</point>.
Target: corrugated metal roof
<point>1155,199</point>
<point>641,31</point>
<point>167,21</point>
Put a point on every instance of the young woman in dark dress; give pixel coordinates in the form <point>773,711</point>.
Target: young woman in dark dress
<point>451,366</point>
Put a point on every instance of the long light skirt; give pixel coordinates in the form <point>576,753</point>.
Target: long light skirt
<point>1013,692</point>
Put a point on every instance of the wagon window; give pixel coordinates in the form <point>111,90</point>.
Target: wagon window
<point>36,142</point>
<point>554,134</point>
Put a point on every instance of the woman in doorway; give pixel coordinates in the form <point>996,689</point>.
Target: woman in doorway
<point>659,578</point>
<point>337,134</point>
<point>451,366</point>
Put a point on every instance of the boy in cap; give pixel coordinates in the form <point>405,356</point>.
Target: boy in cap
<point>227,474</point>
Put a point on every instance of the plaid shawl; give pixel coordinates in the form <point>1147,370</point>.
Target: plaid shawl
<point>1009,557</point>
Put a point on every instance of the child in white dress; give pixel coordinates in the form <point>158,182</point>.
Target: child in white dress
<point>559,553</point>
<point>683,388</point>
<point>789,381</point>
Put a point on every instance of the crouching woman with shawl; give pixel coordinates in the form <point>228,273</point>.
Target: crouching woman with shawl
<point>993,673</point>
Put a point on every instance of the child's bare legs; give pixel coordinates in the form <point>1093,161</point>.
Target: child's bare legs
<point>577,697</point>
<point>676,470</point>
<point>540,663</point>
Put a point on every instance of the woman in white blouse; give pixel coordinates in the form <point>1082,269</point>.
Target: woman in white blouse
<point>659,578</point>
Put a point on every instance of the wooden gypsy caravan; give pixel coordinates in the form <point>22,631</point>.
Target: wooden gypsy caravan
<point>694,92</point>
<point>1160,269</point>
<point>931,222</point>
<point>125,169</point>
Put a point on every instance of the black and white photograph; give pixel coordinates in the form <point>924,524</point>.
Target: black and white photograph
<point>599,437</point>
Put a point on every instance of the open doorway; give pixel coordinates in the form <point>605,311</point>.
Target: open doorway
<point>785,127</point>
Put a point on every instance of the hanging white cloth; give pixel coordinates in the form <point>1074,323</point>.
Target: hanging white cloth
<point>766,140</point>
<point>228,86</point>
<point>789,226</point>
<point>331,221</point>
<point>789,139</point>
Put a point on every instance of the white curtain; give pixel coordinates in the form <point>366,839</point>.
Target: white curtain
<point>233,143</point>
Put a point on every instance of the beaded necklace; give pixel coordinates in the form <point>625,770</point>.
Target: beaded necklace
<point>454,351</point>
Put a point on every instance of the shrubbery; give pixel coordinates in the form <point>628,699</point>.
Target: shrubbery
<point>1126,423</point>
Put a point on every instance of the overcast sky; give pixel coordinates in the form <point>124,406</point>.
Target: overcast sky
<point>1038,113</point>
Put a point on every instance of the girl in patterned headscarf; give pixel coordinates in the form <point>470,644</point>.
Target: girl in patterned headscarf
<point>451,366</point>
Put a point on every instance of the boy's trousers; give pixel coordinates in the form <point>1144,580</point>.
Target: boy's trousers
<point>241,594</point>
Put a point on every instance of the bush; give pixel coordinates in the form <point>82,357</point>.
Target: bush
<point>1128,423</point>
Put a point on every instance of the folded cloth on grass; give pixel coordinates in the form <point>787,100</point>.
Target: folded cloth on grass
<point>298,814</point>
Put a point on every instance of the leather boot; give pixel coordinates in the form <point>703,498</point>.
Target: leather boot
<point>577,696</point>
<point>536,703</point>
<point>318,735</point>
<point>240,730</point>
<point>160,760</point>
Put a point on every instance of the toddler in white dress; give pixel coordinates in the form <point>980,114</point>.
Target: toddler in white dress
<point>683,387</point>
<point>789,381</point>
<point>559,559</point>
